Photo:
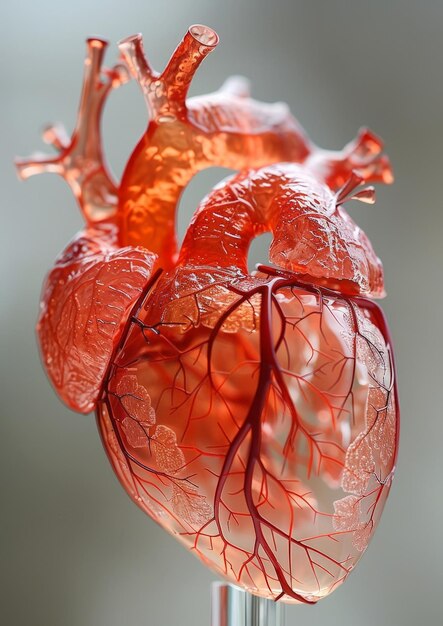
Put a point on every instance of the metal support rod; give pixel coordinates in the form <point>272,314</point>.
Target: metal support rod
<point>231,606</point>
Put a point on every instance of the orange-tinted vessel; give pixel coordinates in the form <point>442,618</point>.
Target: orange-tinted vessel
<point>254,416</point>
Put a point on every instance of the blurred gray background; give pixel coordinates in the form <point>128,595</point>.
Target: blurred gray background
<point>74,550</point>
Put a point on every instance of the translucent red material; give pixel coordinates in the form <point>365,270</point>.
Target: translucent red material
<point>254,416</point>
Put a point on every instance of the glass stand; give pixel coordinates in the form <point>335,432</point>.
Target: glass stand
<point>231,606</point>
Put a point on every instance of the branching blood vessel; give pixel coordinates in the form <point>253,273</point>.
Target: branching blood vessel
<point>253,416</point>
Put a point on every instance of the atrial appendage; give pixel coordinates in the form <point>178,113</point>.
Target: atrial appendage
<point>80,160</point>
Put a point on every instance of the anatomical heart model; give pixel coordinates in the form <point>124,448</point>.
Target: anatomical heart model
<point>252,415</point>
